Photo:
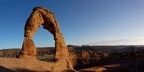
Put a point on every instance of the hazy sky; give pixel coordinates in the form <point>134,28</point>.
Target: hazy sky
<point>97,22</point>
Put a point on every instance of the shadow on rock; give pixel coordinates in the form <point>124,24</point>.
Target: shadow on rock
<point>86,71</point>
<point>26,70</point>
<point>3,69</point>
<point>69,70</point>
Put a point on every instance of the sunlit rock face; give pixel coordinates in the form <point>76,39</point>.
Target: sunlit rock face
<point>28,49</point>
<point>42,16</point>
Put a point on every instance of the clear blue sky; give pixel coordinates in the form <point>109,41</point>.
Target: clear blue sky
<point>98,22</point>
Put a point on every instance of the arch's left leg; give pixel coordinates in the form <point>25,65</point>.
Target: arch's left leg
<point>28,49</point>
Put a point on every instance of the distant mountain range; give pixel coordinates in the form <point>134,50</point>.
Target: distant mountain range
<point>50,50</point>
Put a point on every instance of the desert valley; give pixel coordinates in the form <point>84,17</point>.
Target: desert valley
<point>84,58</point>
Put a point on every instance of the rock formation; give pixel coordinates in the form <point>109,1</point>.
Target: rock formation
<point>42,16</point>
<point>28,49</point>
<point>9,53</point>
<point>1,53</point>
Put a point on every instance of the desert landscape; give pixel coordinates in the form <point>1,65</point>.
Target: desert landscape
<point>93,36</point>
<point>84,59</point>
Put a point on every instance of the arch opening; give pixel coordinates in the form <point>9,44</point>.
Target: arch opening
<point>44,42</point>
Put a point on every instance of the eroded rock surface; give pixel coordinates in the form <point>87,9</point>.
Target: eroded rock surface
<point>42,16</point>
<point>28,49</point>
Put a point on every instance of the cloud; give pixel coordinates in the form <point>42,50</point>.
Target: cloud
<point>121,41</point>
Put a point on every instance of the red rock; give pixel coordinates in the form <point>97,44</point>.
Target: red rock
<point>28,49</point>
<point>42,16</point>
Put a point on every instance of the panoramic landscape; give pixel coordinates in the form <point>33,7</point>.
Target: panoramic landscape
<point>85,58</point>
<point>72,36</point>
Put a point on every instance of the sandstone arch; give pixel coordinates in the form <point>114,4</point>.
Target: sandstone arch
<point>42,16</point>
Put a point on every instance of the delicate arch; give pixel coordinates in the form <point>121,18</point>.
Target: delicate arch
<point>42,16</point>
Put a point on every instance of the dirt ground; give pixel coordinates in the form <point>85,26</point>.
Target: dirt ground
<point>133,64</point>
<point>23,65</point>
